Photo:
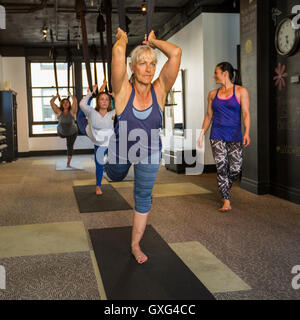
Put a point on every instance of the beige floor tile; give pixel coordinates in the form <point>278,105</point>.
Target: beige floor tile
<point>214,274</point>
<point>177,189</point>
<point>39,239</point>
<point>98,277</point>
<point>122,184</point>
<point>43,162</point>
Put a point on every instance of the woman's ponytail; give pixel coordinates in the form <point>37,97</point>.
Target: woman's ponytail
<point>237,77</point>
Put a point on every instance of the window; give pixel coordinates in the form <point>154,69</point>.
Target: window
<point>43,120</point>
<point>41,88</point>
<point>100,78</point>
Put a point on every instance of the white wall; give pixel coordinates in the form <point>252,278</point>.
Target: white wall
<point>14,70</point>
<point>221,35</point>
<point>207,40</point>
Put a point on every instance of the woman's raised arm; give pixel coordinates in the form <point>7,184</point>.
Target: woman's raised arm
<point>54,107</point>
<point>118,65</point>
<point>84,103</point>
<point>74,106</point>
<point>169,72</point>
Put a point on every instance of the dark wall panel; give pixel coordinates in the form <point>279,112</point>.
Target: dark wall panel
<point>255,71</point>
<point>249,77</point>
<point>272,162</point>
<point>285,131</point>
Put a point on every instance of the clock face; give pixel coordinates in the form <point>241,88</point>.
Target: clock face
<point>286,37</point>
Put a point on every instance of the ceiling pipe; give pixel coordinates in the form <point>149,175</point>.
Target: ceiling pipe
<point>56,26</point>
<point>28,8</point>
<point>16,7</point>
<point>56,21</point>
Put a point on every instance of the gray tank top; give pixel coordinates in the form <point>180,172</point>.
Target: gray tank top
<point>66,124</point>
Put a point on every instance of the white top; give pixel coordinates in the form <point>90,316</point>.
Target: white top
<point>99,128</point>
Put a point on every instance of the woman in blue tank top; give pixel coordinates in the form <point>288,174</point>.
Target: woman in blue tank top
<point>226,105</point>
<point>139,105</point>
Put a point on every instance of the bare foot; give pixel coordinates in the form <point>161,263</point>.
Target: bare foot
<point>98,190</point>
<point>140,257</point>
<point>69,165</point>
<point>226,206</point>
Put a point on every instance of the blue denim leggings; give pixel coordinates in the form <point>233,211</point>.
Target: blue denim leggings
<point>144,178</point>
<point>98,151</point>
<point>99,157</point>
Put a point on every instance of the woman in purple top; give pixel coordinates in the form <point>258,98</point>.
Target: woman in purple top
<point>139,107</point>
<point>226,105</point>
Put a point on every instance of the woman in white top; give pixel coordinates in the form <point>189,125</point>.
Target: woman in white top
<point>98,125</point>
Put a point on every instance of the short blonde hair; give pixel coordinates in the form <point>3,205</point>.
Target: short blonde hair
<point>139,53</point>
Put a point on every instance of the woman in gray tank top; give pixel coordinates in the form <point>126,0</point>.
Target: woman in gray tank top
<point>67,128</point>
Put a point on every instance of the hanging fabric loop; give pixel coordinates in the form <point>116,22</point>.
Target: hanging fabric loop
<point>80,11</point>
<point>150,12</point>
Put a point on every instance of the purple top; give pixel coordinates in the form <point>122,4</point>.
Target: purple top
<point>137,132</point>
<point>226,123</point>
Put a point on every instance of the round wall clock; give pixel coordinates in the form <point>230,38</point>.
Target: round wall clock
<point>287,38</point>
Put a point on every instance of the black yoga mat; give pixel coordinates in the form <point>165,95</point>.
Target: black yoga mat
<point>163,277</point>
<point>110,200</point>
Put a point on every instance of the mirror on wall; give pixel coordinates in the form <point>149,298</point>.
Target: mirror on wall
<point>174,116</point>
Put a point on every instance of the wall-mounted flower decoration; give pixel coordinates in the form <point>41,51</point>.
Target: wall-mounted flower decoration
<point>279,78</point>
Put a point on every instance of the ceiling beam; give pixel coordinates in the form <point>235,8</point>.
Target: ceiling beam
<point>190,12</point>
<point>16,7</point>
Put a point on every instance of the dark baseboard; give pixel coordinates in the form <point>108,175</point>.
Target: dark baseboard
<point>290,194</point>
<point>53,153</point>
<point>255,186</point>
<point>287,193</point>
<point>209,168</point>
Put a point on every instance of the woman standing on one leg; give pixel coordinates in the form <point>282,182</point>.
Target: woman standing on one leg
<point>225,106</point>
<point>98,126</point>
<point>67,128</point>
<point>139,106</point>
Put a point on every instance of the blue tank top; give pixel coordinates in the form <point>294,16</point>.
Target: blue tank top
<point>226,122</point>
<point>137,132</point>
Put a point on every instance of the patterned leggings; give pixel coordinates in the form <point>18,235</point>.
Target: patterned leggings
<point>228,158</point>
